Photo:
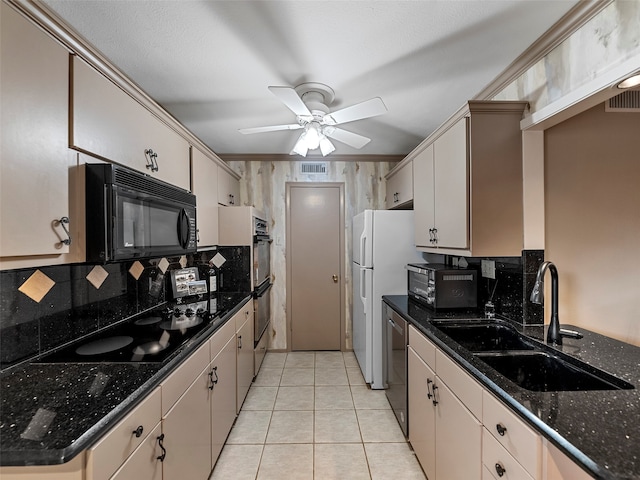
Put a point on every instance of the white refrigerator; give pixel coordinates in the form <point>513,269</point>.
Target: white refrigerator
<point>383,244</point>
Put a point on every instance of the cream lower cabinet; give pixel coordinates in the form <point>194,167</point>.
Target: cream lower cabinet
<point>244,331</point>
<point>223,394</point>
<point>108,123</point>
<point>36,163</point>
<point>187,433</point>
<point>125,441</point>
<point>204,185</point>
<point>557,466</point>
<point>442,429</point>
<point>143,462</point>
<point>197,424</point>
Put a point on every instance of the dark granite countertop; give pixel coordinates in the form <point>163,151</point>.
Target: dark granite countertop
<point>599,430</point>
<point>50,412</point>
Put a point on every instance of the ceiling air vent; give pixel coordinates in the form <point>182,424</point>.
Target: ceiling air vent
<point>628,101</point>
<point>313,168</point>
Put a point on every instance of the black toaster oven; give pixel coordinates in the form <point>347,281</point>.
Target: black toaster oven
<point>442,286</point>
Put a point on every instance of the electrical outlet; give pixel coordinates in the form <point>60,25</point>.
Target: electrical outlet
<point>488,268</point>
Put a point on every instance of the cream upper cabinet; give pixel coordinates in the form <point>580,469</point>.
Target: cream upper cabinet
<point>441,195</point>
<point>204,185</point>
<point>474,184</point>
<point>228,188</point>
<point>400,186</point>
<point>108,123</point>
<point>36,163</point>
<point>423,196</point>
<point>451,192</point>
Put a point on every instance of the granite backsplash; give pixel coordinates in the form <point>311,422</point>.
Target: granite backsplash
<point>511,288</point>
<point>81,299</point>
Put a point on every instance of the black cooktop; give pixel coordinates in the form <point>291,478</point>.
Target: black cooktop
<point>151,337</point>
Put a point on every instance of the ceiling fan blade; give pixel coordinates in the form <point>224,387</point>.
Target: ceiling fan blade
<point>352,139</point>
<point>366,109</point>
<point>273,128</point>
<point>291,99</point>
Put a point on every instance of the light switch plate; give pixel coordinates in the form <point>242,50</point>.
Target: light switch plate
<point>488,268</point>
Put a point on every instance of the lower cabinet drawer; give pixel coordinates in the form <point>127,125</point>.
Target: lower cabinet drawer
<point>500,464</point>
<point>105,457</point>
<point>513,434</point>
<point>145,462</point>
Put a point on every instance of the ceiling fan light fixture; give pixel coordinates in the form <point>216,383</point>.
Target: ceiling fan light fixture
<point>312,135</point>
<point>300,148</point>
<point>326,147</point>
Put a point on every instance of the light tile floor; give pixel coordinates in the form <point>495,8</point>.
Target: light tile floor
<point>310,415</point>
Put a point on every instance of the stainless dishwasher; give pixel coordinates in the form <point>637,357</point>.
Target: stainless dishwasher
<point>396,371</point>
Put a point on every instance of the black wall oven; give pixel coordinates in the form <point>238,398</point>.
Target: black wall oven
<point>262,310</point>
<point>261,276</point>
<point>130,215</point>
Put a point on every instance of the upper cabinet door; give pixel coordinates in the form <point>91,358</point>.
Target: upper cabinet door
<point>400,187</point>
<point>36,162</point>
<point>451,187</point>
<point>110,124</point>
<point>228,189</point>
<point>423,197</point>
<point>204,184</point>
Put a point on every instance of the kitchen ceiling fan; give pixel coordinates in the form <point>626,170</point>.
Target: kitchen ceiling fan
<point>310,102</point>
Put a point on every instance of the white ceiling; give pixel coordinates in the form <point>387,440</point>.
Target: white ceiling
<point>209,62</point>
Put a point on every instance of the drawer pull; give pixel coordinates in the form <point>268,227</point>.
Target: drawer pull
<point>164,450</point>
<point>501,429</point>
<point>138,431</point>
<point>500,470</point>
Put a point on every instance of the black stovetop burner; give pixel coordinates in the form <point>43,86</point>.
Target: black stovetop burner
<point>152,337</point>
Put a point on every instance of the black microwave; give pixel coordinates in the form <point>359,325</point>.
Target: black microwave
<point>130,215</point>
<point>442,286</point>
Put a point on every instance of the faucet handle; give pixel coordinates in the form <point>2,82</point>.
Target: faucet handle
<point>570,333</point>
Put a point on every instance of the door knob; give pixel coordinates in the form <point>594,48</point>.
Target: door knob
<point>335,279</point>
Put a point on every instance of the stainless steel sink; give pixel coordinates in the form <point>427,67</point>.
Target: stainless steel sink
<point>527,363</point>
<point>543,372</point>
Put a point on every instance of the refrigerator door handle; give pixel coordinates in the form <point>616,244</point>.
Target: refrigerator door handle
<point>363,281</point>
<point>363,244</point>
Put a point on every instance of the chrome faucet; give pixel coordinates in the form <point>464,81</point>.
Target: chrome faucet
<point>554,333</point>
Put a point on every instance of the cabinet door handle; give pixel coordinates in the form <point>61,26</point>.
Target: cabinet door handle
<point>435,235</point>
<point>63,222</point>
<point>213,382</point>
<point>138,431</point>
<point>239,341</point>
<point>429,394</point>
<point>501,429</point>
<point>500,470</point>
<point>435,399</point>
<point>164,450</point>
<point>152,160</point>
